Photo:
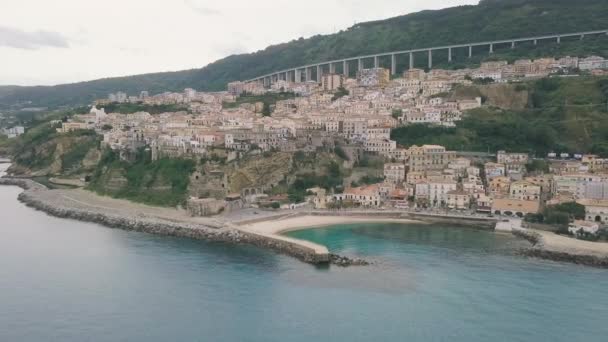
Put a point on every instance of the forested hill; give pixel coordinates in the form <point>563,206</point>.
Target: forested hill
<point>491,19</point>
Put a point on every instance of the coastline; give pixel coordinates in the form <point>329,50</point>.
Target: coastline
<point>267,231</point>
<point>55,203</point>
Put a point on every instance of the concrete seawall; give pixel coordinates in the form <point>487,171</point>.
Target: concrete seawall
<point>31,196</point>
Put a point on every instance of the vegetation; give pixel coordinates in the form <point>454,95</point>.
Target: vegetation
<point>341,92</point>
<point>489,20</point>
<point>130,108</point>
<point>267,99</point>
<point>162,182</point>
<point>564,115</point>
<point>331,179</point>
<point>560,215</point>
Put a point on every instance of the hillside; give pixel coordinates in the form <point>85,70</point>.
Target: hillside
<point>491,19</point>
<point>561,115</point>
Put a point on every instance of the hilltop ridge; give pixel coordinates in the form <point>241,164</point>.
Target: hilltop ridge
<point>491,19</point>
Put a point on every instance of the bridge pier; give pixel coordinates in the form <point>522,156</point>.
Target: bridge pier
<point>359,64</point>
<point>535,41</point>
<point>332,68</point>
<point>393,64</point>
<point>559,40</point>
<point>298,76</point>
<point>491,48</point>
<point>430,59</point>
<point>345,68</point>
<point>582,36</point>
<point>376,62</point>
<point>450,55</point>
<point>470,51</point>
<point>308,74</point>
<point>319,73</point>
<point>513,45</point>
<point>411,60</point>
<point>287,76</point>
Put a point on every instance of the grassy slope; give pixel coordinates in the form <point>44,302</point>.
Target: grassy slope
<point>564,115</point>
<point>494,19</point>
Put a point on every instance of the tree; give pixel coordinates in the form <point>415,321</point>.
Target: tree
<point>397,113</point>
<point>266,109</point>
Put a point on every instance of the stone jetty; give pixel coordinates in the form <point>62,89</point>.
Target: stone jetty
<point>57,203</point>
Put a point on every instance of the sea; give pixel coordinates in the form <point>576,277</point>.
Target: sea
<point>64,280</point>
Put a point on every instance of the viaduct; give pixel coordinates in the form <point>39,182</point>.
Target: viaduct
<point>305,72</point>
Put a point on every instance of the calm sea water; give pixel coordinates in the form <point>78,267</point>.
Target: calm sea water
<point>63,280</point>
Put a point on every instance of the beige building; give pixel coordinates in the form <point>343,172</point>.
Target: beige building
<point>524,190</point>
<point>458,200</point>
<point>394,173</point>
<point>331,82</point>
<point>429,157</point>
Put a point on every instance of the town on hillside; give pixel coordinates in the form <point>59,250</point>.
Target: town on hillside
<point>354,118</point>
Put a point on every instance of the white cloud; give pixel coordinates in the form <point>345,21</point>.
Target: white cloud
<point>20,39</point>
<point>201,8</point>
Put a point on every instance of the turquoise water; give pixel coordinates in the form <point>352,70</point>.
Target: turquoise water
<point>63,280</point>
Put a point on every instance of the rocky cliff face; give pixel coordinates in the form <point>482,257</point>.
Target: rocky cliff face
<point>259,171</point>
<point>59,155</point>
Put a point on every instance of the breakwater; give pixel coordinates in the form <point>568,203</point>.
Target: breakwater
<point>39,197</point>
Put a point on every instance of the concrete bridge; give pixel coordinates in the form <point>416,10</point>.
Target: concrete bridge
<point>305,72</point>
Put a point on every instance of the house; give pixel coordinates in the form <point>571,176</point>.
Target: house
<point>494,170</point>
<point>524,190</point>
<point>438,191</point>
<point>456,199</point>
<point>367,196</point>
<point>394,173</point>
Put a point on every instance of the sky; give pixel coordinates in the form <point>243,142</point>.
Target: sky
<point>46,42</point>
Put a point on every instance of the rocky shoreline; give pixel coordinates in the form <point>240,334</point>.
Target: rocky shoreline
<point>31,196</point>
<point>540,251</point>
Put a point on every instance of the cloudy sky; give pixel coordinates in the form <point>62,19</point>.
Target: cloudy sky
<point>59,41</point>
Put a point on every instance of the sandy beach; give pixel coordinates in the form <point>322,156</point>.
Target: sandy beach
<point>309,221</point>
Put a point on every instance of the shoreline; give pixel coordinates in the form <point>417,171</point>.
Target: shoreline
<point>306,221</point>
<point>267,232</point>
<point>39,197</point>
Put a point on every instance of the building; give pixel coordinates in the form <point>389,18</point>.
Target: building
<point>524,190</point>
<point>508,206</point>
<point>458,200</point>
<point>438,192</point>
<point>236,88</point>
<point>429,158</point>
<point>331,82</point>
<point>394,173</point>
<point>67,127</point>
<point>14,131</point>
<point>503,157</point>
<point>376,77</point>
<point>494,170</point>
<point>595,210</point>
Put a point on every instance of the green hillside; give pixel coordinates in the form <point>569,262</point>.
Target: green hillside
<point>491,19</point>
<point>562,115</point>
